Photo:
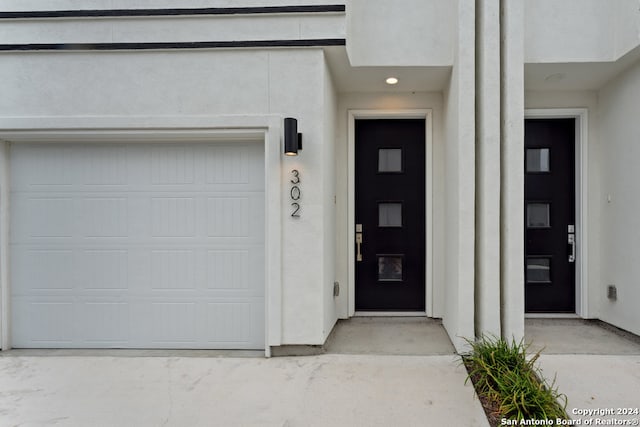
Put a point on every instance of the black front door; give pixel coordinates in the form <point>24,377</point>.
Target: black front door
<point>390,215</point>
<point>550,215</point>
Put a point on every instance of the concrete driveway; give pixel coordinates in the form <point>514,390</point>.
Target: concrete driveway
<point>380,373</point>
<point>324,390</point>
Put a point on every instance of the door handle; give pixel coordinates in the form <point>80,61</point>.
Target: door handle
<point>571,243</point>
<point>358,242</point>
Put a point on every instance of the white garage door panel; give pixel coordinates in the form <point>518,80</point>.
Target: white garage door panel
<point>138,245</point>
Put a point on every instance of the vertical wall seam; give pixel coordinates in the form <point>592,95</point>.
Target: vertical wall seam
<point>503,301</point>
<point>477,261</point>
<point>503,265</point>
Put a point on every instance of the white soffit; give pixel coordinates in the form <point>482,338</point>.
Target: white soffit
<point>576,75</point>
<point>372,79</point>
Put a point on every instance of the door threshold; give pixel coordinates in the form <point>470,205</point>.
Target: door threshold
<point>551,316</point>
<point>390,314</point>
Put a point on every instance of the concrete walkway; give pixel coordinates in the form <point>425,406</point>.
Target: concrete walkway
<point>407,336</point>
<point>326,390</point>
<point>595,365</point>
<point>577,336</point>
<point>596,382</point>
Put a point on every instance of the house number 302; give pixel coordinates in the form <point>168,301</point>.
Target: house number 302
<point>295,193</point>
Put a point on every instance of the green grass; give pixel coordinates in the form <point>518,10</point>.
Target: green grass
<point>508,382</point>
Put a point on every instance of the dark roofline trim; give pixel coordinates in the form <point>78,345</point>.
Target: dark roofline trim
<point>118,13</point>
<point>171,45</point>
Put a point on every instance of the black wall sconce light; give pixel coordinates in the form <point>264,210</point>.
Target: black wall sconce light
<point>292,139</point>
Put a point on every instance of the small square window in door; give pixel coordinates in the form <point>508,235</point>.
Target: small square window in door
<point>389,214</point>
<point>538,270</point>
<point>538,160</point>
<point>390,160</point>
<point>538,215</point>
<point>390,268</point>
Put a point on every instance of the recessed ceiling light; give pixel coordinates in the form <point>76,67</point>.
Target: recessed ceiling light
<point>391,80</point>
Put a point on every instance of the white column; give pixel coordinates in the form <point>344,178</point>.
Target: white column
<point>512,179</point>
<point>4,246</point>
<point>487,249</point>
<point>458,318</point>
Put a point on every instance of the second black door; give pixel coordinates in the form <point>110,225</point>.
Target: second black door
<point>390,215</point>
<point>550,241</point>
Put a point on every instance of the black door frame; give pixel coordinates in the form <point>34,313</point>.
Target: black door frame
<point>581,202</point>
<point>426,115</point>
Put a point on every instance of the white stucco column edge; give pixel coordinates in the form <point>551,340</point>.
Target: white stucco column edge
<point>427,115</point>
<point>512,170</point>
<point>4,246</point>
<point>267,128</point>
<point>582,195</point>
<point>487,279</point>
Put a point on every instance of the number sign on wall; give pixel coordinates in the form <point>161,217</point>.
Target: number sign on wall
<point>295,193</point>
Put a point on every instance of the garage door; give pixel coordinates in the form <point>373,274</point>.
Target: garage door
<point>137,245</point>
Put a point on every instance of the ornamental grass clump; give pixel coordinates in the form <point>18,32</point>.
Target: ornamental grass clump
<point>509,384</point>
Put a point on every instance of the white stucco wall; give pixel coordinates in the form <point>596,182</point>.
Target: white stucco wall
<point>401,32</point>
<point>619,129</point>
<point>292,78</point>
<point>580,30</point>
<point>627,26</point>
<point>4,244</point>
<point>568,30</point>
<point>136,83</point>
<point>459,221</point>
<point>329,201</point>
<point>178,28</point>
<point>79,86</point>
